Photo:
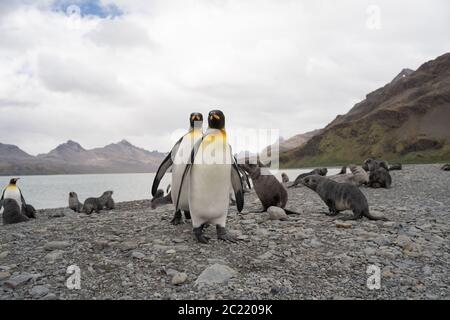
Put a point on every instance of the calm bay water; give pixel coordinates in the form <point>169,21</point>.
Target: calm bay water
<point>53,191</point>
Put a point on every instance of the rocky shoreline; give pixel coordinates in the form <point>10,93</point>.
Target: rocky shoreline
<point>134,252</point>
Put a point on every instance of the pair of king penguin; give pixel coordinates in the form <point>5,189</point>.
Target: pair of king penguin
<point>203,171</point>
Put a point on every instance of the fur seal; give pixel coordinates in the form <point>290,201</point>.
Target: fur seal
<point>340,197</point>
<point>318,171</point>
<point>372,164</point>
<point>359,175</point>
<point>284,178</point>
<point>269,190</point>
<point>161,201</point>
<point>30,211</point>
<point>100,203</point>
<point>380,178</point>
<point>343,170</point>
<point>12,213</point>
<point>74,203</point>
<point>396,166</point>
<point>446,167</point>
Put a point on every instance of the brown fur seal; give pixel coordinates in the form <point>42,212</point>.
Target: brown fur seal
<point>29,211</point>
<point>318,171</point>
<point>396,166</point>
<point>446,167</point>
<point>74,203</point>
<point>380,178</point>
<point>360,176</point>
<point>269,190</point>
<point>340,197</point>
<point>373,164</point>
<point>161,201</point>
<point>12,213</point>
<point>284,178</point>
<point>105,201</point>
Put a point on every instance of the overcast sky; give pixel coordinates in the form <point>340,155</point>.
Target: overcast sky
<point>102,71</point>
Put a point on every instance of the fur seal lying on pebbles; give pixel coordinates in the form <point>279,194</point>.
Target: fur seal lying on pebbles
<point>396,166</point>
<point>30,211</point>
<point>284,178</point>
<point>159,200</point>
<point>380,178</point>
<point>12,213</point>
<point>74,203</point>
<point>373,164</point>
<point>269,190</point>
<point>318,171</point>
<point>340,197</point>
<point>360,176</point>
<point>446,167</point>
<point>97,204</point>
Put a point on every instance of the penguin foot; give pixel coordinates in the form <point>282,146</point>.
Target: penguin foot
<point>222,234</point>
<point>198,232</point>
<point>177,219</point>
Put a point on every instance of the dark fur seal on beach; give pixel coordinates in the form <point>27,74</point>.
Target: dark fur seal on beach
<point>318,171</point>
<point>371,164</point>
<point>12,213</point>
<point>343,170</point>
<point>284,178</point>
<point>268,189</point>
<point>74,203</point>
<point>159,194</point>
<point>446,167</point>
<point>29,211</point>
<point>105,201</point>
<point>380,178</point>
<point>340,197</point>
<point>161,201</point>
<point>396,166</point>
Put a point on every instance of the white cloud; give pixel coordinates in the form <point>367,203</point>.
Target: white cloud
<point>289,65</point>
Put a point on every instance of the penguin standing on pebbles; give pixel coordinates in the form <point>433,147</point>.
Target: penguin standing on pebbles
<point>210,174</point>
<point>13,192</point>
<point>178,158</point>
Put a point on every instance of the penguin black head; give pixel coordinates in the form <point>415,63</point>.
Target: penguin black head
<point>196,120</point>
<point>216,119</point>
<point>13,181</point>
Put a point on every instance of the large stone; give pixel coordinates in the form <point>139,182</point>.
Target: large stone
<point>276,213</point>
<point>54,256</point>
<point>4,254</point>
<point>342,224</point>
<point>137,255</point>
<point>18,280</point>
<point>128,245</point>
<point>179,278</point>
<point>56,245</point>
<point>39,291</point>
<point>215,274</point>
<point>4,275</point>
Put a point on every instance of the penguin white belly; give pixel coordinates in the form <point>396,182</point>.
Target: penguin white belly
<point>14,194</point>
<point>183,157</point>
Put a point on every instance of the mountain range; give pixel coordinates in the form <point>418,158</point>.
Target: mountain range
<point>72,158</point>
<point>407,120</point>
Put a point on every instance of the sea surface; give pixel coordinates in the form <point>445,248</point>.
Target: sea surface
<point>52,191</point>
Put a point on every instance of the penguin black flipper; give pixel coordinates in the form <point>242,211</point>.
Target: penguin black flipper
<point>164,166</point>
<point>243,174</point>
<point>236,182</point>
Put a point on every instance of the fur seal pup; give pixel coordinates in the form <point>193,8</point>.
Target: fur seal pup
<point>340,197</point>
<point>318,171</point>
<point>178,158</point>
<point>380,178</point>
<point>161,201</point>
<point>211,173</point>
<point>74,203</point>
<point>396,166</point>
<point>105,201</point>
<point>446,167</point>
<point>359,175</point>
<point>159,194</point>
<point>12,213</point>
<point>284,178</point>
<point>372,164</point>
<point>269,190</point>
<point>30,211</point>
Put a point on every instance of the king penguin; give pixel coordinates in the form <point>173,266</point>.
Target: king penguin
<point>210,174</point>
<point>178,158</point>
<point>13,192</point>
